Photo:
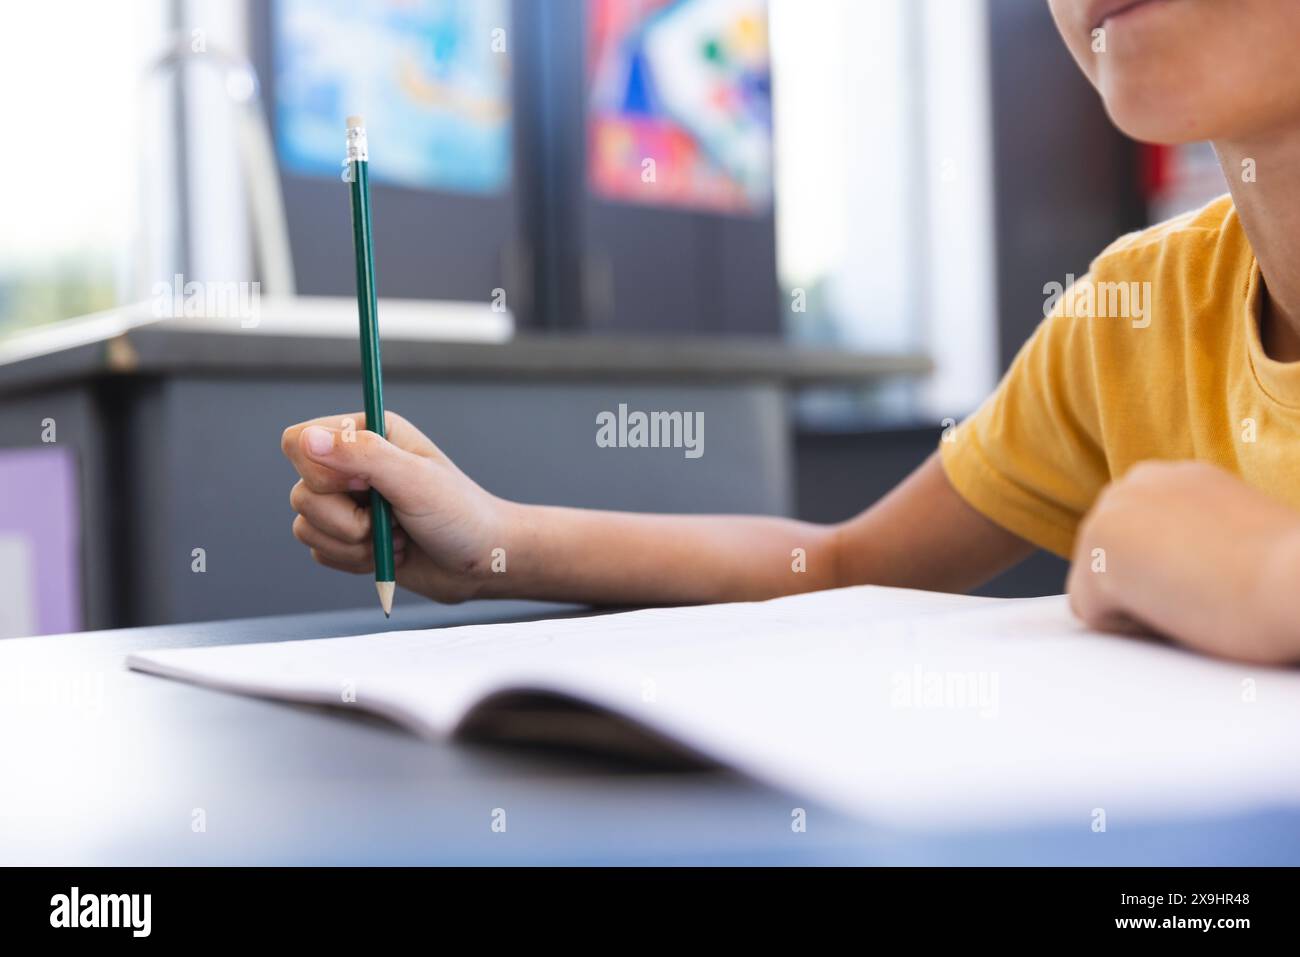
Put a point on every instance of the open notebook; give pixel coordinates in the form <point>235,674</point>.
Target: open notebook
<point>903,706</point>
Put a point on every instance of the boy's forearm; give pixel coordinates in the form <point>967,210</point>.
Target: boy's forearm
<point>567,554</point>
<point>1240,607</point>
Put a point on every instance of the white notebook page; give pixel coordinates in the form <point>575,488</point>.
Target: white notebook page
<point>907,707</point>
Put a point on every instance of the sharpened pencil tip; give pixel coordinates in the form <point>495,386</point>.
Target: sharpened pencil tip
<point>386,590</point>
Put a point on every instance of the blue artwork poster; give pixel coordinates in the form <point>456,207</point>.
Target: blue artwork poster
<point>431,78</point>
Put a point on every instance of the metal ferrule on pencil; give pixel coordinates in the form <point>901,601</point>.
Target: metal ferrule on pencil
<point>358,150</point>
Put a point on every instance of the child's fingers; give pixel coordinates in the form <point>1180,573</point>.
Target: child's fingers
<point>358,554</point>
<point>404,478</point>
<point>398,431</point>
<point>337,514</point>
<point>354,568</point>
<point>320,558</point>
<point>320,478</point>
<point>348,553</point>
<point>347,421</point>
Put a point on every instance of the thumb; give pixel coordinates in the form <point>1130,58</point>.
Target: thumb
<point>398,475</point>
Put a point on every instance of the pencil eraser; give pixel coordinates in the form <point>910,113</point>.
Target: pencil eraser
<point>355,122</point>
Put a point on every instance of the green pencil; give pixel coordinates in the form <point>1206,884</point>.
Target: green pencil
<point>381,523</point>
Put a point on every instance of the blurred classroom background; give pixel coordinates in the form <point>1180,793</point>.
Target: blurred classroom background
<point>825,225</point>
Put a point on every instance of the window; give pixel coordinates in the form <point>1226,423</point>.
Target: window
<point>70,171</point>
<point>884,183</point>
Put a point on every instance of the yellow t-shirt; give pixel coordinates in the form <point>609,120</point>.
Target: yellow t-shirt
<point>1155,354</point>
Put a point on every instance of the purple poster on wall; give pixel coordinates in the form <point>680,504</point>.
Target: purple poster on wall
<point>40,531</point>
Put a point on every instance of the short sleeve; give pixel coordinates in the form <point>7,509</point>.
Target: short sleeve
<point>1030,458</point>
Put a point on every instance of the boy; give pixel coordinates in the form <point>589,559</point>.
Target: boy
<point>1161,451</point>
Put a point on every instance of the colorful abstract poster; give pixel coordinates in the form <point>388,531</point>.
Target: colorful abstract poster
<point>431,78</point>
<point>680,110</point>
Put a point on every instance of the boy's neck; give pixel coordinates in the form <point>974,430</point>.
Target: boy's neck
<point>1264,179</point>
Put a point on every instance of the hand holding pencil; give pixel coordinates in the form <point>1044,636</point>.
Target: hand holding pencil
<point>453,524</point>
<point>447,526</point>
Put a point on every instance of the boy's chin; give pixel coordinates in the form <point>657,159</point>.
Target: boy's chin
<point>1155,130</point>
<point>1155,119</point>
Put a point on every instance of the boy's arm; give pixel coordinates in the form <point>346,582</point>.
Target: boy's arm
<point>457,541</point>
<point>920,535</point>
<point>1192,552</point>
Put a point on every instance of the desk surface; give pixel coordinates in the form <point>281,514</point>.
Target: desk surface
<point>99,765</point>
